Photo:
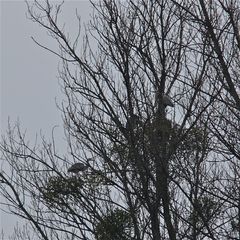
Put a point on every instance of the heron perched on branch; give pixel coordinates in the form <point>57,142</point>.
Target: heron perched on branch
<point>77,167</point>
<point>80,167</point>
<point>167,101</point>
<point>162,100</point>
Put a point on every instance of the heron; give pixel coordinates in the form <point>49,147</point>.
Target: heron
<point>167,101</point>
<point>77,167</point>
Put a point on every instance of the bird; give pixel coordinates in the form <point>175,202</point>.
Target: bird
<point>77,167</point>
<point>167,101</point>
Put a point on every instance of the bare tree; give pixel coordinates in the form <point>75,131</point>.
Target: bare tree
<point>152,113</point>
<point>218,23</point>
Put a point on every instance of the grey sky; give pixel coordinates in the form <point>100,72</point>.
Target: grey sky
<point>29,84</point>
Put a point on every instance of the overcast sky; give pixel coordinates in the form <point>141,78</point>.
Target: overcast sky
<point>29,84</point>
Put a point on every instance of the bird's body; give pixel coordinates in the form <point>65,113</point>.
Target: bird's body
<point>77,167</point>
<point>167,101</point>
